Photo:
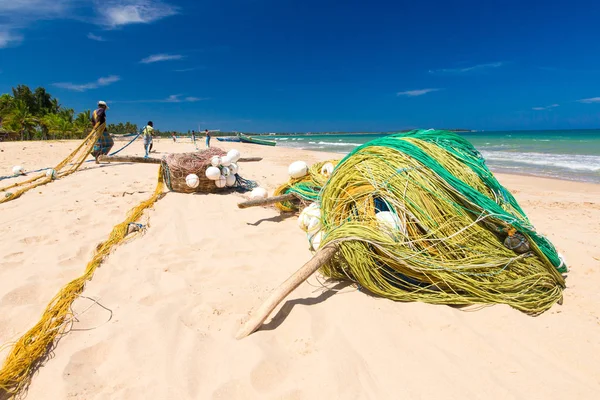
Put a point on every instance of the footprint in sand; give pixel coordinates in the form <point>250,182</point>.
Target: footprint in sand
<point>13,255</point>
<point>33,239</point>
<point>268,374</point>
<point>83,364</point>
<point>27,294</point>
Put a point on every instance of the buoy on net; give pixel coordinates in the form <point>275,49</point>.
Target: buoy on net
<point>225,171</point>
<point>327,169</point>
<point>213,173</point>
<point>221,182</point>
<point>51,173</point>
<point>230,180</point>
<point>234,168</point>
<point>215,161</point>
<point>18,170</point>
<point>225,161</point>
<point>258,193</point>
<point>298,169</point>
<point>192,180</point>
<point>234,155</point>
<point>310,219</point>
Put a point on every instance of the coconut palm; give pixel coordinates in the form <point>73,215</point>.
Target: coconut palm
<point>83,123</point>
<point>64,127</point>
<point>21,118</point>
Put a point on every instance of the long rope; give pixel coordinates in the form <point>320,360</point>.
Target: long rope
<point>34,346</point>
<point>47,168</point>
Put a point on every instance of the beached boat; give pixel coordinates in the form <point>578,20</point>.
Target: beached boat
<point>255,140</point>
<point>229,139</point>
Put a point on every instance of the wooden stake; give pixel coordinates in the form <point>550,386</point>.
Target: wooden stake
<point>249,159</point>
<point>267,201</point>
<point>132,159</point>
<point>287,287</point>
<point>149,160</point>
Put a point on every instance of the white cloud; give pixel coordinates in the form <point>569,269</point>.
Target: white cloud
<point>590,100</point>
<point>551,106</point>
<point>17,15</point>
<point>115,13</point>
<point>161,57</point>
<point>414,93</point>
<point>103,81</point>
<point>97,38</point>
<point>187,69</point>
<point>174,98</point>
<point>7,38</point>
<point>474,68</point>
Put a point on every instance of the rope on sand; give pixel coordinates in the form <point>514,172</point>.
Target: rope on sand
<point>47,168</point>
<point>30,351</point>
<point>64,168</point>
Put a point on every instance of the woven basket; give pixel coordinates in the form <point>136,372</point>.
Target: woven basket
<point>179,165</point>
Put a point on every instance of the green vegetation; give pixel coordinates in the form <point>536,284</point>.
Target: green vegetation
<point>36,115</point>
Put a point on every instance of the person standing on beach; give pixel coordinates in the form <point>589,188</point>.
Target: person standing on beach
<point>105,142</point>
<point>207,138</point>
<point>147,132</point>
<point>174,137</point>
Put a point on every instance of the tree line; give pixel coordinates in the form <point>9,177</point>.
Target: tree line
<point>36,115</point>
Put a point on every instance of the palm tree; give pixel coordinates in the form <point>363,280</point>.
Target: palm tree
<point>21,118</point>
<point>64,127</point>
<point>83,122</point>
<point>51,122</point>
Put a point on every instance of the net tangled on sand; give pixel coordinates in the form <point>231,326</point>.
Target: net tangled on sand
<point>419,217</point>
<point>177,166</point>
<point>306,189</point>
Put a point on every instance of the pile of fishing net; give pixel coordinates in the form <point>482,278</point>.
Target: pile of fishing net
<point>206,171</point>
<point>419,217</point>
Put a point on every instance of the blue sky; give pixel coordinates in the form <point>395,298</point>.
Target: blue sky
<point>287,65</point>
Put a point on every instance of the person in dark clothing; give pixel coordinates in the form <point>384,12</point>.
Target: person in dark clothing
<point>105,142</point>
<point>207,138</point>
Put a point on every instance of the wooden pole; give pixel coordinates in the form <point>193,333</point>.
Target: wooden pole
<point>149,160</point>
<point>132,159</point>
<point>267,201</point>
<point>287,287</point>
<point>249,159</point>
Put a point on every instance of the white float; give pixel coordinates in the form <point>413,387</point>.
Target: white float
<point>215,161</point>
<point>390,223</point>
<point>221,182</point>
<point>234,168</point>
<point>18,170</point>
<point>226,161</point>
<point>259,193</point>
<point>315,240</point>
<point>213,173</point>
<point>230,180</point>
<point>192,181</point>
<point>298,169</point>
<point>234,155</point>
<point>327,169</point>
<point>225,171</point>
<point>51,173</point>
<point>309,219</point>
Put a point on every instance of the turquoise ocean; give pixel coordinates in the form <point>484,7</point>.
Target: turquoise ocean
<point>567,154</point>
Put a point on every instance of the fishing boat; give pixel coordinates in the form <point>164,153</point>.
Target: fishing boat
<point>255,140</point>
<point>229,139</point>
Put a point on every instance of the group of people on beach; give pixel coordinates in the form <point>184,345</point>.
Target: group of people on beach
<point>105,142</point>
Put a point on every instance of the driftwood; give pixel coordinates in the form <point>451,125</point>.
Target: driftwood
<point>267,201</point>
<point>149,160</point>
<point>287,287</point>
<point>132,159</point>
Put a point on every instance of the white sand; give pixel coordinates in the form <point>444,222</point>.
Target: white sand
<point>179,293</point>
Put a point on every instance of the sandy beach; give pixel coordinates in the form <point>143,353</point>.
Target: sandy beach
<point>158,319</point>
